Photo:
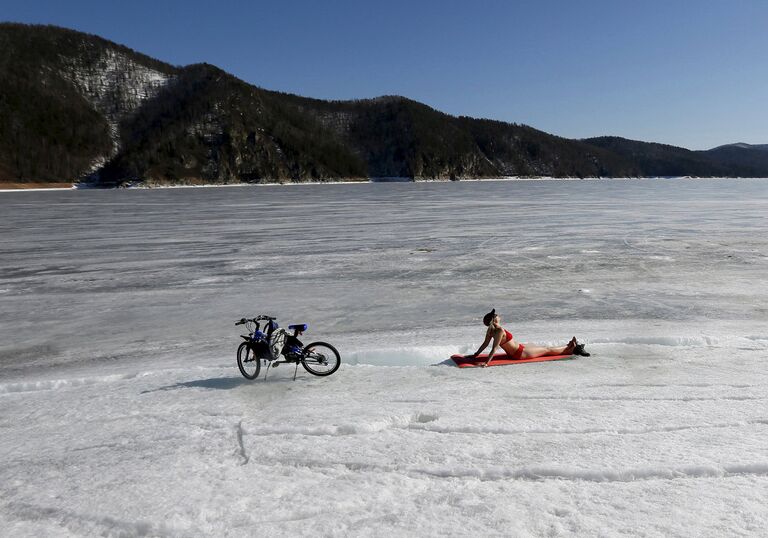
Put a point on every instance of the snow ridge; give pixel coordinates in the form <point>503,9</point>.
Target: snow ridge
<point>56,384</point>
<point>84,524</point>
<point>393,421</point>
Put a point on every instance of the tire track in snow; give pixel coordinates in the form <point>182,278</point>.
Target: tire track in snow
<point>543,472</point>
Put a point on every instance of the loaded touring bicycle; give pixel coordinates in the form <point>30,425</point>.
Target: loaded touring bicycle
<point>268,344</point>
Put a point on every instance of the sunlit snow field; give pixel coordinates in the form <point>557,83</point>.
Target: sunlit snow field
<point>122,412</point>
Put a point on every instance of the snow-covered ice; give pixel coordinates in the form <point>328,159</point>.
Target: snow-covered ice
<point>122,412</point>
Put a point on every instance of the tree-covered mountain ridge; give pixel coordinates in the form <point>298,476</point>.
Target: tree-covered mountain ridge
<point>77,107</point>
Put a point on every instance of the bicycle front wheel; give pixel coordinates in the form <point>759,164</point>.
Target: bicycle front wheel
<point>320,358</point>
<point>248,362</point>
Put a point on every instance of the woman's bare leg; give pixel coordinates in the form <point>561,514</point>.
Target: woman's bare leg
<point>532,352</point>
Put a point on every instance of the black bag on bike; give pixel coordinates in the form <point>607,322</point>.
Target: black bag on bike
<point>261,350</point>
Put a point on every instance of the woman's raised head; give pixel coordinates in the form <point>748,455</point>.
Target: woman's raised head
<point>489,317</point>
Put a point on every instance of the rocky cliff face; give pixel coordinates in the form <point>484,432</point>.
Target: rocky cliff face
<point>115,85</point>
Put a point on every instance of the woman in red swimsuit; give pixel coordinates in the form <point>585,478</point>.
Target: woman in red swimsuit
<point>503,338</point>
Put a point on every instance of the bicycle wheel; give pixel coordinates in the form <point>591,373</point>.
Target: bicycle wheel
<point>248,362</point>
<point>320,358</point>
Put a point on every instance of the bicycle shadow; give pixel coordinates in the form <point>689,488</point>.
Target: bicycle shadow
<point>213,383</point>
<point>218,383</point>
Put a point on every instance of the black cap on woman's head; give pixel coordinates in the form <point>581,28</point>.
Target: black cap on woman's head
<point>489,317</point>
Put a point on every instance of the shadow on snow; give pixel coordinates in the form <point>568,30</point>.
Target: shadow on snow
<point>218,383</point>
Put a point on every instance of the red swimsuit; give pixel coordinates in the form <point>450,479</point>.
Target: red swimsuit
<point>518,354</point>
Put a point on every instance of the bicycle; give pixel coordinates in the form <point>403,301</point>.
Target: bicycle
<point>272,343</point>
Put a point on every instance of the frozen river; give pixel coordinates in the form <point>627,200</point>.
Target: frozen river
<point>122,411</point>
<point>89,275</point>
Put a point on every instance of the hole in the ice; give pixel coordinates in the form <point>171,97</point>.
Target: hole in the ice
<point>423,418</point>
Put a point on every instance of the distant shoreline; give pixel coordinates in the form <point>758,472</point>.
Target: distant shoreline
<point>57,186</point>
<point>9,186</point>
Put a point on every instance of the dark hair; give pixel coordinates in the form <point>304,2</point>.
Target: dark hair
<point>489,317</point>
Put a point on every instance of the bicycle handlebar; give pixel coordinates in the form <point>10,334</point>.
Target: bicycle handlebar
<point>255,320</point>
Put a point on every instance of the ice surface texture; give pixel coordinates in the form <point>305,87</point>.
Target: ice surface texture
<point>122,412</point>
<point>116,274</point>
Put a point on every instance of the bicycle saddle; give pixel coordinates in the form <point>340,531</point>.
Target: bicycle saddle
<point>301,327</point>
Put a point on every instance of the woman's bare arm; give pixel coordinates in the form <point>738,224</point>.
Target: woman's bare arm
<point>496,340</point>
<point>485,343</point>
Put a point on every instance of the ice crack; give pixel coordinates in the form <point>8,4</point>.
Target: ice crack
<point>240,451</point>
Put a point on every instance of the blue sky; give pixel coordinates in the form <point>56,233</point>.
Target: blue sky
<point>693,74</point>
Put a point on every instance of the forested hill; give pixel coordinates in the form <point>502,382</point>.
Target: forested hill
<point>74,106</point>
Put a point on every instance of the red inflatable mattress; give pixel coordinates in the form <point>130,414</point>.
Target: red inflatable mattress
<point>501,360</point>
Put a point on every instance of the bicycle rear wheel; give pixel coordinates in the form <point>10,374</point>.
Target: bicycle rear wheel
<point>248,362</point>
<point>320,359</point>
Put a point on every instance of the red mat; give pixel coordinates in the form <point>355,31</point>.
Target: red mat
<point>501,360</point>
